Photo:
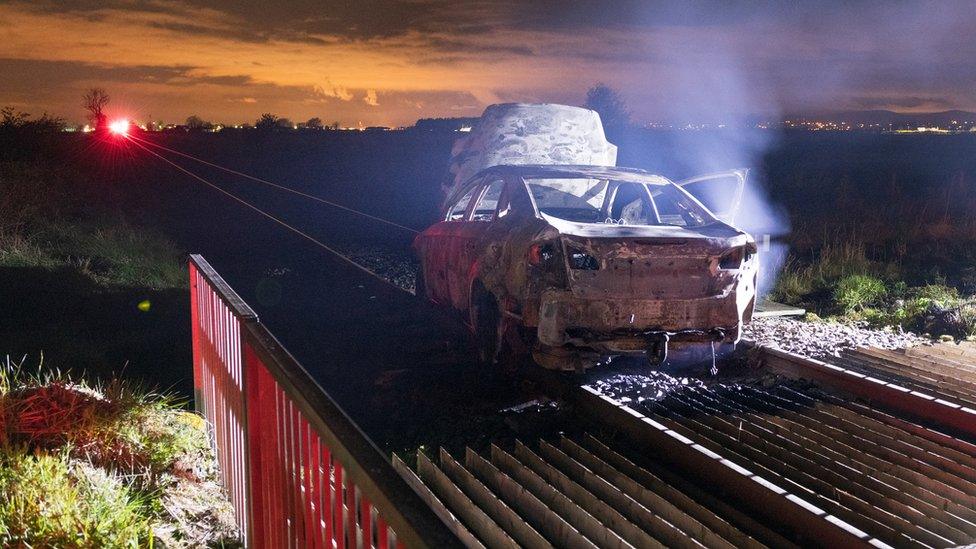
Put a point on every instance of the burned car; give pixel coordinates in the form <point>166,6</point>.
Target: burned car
<point>573,263</point>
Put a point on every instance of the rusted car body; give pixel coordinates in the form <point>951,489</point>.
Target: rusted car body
<point>578,262</point>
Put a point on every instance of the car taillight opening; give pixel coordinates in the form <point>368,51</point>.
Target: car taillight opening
<point>731,259</point>
<point>583,261</point>
<point>736,257</point>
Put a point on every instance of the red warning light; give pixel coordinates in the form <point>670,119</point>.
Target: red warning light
<point>119,127</point>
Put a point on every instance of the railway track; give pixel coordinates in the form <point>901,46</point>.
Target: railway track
<point>875,448</point>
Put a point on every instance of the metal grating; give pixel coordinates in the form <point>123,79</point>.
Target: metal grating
<point>571,493</point>
<point>899,486</point>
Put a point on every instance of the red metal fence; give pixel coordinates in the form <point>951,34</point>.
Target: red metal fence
<point>297,469</point>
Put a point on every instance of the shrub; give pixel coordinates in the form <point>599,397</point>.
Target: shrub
<point>937,294</point>
<point>83,465</point>
<point>855,292</point>
<point>968,314</point>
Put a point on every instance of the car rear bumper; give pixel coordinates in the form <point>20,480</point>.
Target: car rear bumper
<point>625,325</point>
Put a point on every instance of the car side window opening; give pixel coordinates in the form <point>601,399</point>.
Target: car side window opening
<point>456,213</point>
<point>573,199</point>
<point>484,210</point>
<point>584,200</point>
<point>676,207</point>
<point>631,205</point>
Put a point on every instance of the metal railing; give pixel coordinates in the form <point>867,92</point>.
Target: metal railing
<point>299,472</point>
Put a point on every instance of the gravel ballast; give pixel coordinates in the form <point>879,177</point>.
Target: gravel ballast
<point>823,339</point>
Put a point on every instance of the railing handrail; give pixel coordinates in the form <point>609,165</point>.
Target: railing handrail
<point>410,517</point>
<point>237,305</point>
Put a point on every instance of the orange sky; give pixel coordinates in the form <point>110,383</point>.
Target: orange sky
<point>393,62</point>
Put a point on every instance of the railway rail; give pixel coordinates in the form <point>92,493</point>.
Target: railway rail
<point>874,448</point>
<point>948,370</point>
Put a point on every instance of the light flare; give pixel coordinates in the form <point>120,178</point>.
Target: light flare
<point>119,127</point>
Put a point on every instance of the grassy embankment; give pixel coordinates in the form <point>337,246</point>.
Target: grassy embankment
<point>842,283</point>
<point>80,283</point>
<point>88,464</point>
<point>50,221</point>
<point>884,231</point>
<point>110,466</point>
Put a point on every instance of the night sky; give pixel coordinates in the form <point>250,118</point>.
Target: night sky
<point>389,63</point>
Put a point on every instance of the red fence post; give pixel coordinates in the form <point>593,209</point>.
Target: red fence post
<point>195,340</point>
<point>256,395</point>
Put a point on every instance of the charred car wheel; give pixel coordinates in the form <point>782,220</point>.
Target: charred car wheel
<point>497,339</point>
<point>487,320</point>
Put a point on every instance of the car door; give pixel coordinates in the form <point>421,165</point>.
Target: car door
<point>471,236</point>
<point>437,248</point>
<point>720,192</point>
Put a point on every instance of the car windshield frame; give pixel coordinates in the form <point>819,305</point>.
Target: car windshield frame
<point>612,186</point>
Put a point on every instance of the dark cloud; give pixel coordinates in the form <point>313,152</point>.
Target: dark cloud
<point>32,74</point>
<point>669,59</point>
<point>23,73</point>
<point>903,103</point>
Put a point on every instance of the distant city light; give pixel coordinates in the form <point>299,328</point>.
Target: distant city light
<point>119,127</point>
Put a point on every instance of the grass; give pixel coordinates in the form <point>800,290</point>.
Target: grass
<point>842,281</point>
<point>49,219</point>
<point>855,292</point>
<point>88,465</point>
<point>52,501</point>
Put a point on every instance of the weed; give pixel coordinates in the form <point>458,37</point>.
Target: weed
<point>855,292</point>
<point>968,317</point>
<point>936,294</point>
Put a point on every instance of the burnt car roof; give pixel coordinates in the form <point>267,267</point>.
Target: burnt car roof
<point>557,170</point>
<point>632,175</point>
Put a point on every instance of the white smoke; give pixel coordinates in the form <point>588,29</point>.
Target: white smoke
<point>711,95</point>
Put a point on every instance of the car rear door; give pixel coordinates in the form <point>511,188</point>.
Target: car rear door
<point>471,236</point>
<point>437,245</point>
<point>720,192</point>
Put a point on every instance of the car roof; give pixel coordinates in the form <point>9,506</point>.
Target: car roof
<point>558,171</point>
<point>568,170</point>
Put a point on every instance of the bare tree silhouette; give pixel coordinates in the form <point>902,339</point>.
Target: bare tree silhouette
<point>195,123</point>
<point>94,102</point>
<point>267,121</point>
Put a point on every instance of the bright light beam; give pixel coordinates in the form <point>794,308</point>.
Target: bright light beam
<point>119,127</point>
